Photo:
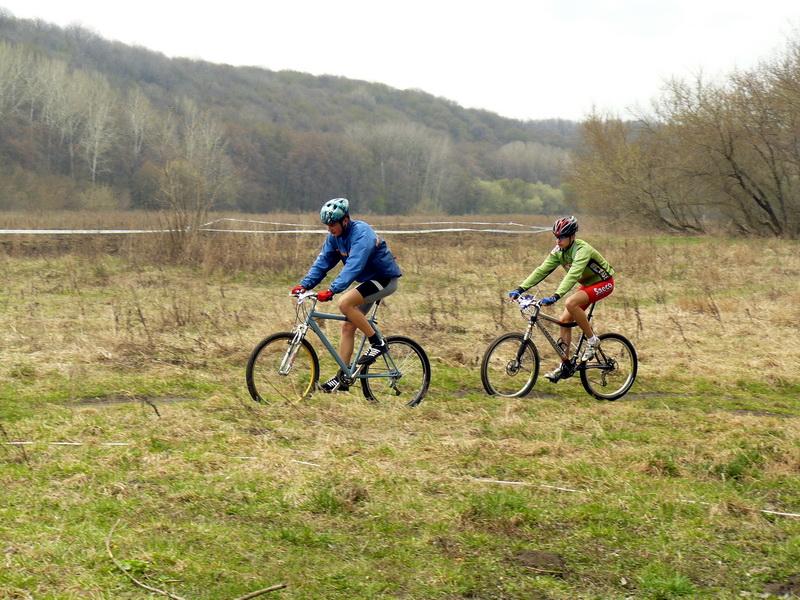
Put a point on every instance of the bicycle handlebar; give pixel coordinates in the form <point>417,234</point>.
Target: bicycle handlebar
<point>303,295</point>
<point>526,301</point>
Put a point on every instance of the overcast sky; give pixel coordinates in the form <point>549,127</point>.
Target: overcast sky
<point>527,59</point>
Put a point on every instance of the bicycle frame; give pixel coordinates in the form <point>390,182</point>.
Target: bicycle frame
<point>532,310</point>
<point>351,371</point>
<point>510,365</point>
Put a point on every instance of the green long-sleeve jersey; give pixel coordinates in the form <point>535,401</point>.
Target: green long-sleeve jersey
<point>583,265</point>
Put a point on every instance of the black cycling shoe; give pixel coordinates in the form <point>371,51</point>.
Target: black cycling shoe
<point>563,371</point>
<point>334,384</point>
<point>375,350</point>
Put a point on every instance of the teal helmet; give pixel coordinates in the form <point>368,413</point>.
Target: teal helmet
<point>334,210</point>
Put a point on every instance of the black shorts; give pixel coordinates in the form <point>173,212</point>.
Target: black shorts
<point>374,290</point>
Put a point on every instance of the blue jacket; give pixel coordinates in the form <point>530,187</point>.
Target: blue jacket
<point>364,254</point>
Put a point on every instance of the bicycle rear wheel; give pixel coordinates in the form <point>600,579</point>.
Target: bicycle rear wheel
<point>264,380</point>
<point>402,375</point>
<point>612,371</point>
<point>510,366</point>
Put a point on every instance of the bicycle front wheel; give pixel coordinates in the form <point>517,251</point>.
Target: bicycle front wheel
<point>266,383</point>
<point>400,376</point>
<point>510,366</point>
<point>612,371</point>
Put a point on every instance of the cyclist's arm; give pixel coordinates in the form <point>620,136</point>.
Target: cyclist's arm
<point>579,263</point>
<point>361,246</point>
<point>548,266</point>
<point>327,258</point>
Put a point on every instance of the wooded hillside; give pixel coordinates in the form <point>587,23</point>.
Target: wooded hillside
<point>89,123</point>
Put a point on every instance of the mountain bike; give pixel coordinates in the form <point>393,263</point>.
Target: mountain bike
<point>510,365</point>
<point>285,365</point>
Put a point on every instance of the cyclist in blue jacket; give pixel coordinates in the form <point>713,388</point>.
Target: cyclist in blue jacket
<point>368,261</point>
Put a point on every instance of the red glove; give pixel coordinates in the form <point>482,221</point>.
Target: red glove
<point>298,289</point>
<point>325,296</point>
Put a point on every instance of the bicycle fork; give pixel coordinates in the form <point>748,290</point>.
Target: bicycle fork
<point>514,366</point>
<point>291,351</point>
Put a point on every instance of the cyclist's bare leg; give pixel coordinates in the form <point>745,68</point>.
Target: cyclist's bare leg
<point>347,342</point>
<point>566,332</point>
<point>576,310</point>
<point>563,370</point>
<point>348,304</point>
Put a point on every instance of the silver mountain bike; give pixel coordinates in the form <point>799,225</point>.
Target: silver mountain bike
<point>510,365</point>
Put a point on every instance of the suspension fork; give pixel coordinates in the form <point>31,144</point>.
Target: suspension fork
<point>294,346</point>
<point>525,338</point>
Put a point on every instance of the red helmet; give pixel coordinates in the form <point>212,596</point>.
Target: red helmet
<point>565,227</point>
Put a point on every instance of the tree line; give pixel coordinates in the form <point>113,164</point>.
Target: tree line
<point>87,123</point>
<point>710,154</point>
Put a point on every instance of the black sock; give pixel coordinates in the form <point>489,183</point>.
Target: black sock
<point>375,339</point>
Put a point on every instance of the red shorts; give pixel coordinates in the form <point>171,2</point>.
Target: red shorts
<point>598,291</point>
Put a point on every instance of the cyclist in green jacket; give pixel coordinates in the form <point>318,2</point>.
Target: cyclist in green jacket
<point>584,265</point>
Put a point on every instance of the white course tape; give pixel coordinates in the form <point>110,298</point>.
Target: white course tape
<point>207,228</point>
<point>78,231</point>
<point>511,223</point>
<point>382,231</point>
<point>508,223</point>
<point>252,221</point>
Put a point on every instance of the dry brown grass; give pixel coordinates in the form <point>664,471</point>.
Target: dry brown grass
<point>720,309</point>
<point>118,320</point>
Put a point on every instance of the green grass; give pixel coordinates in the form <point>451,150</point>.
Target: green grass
<point>213,498</point>
<point>658,495</point>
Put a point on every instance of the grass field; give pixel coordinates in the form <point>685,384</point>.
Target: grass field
<point>176,478</point>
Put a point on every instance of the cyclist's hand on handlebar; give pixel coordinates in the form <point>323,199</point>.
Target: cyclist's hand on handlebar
<point>325,296</point>
<point>298,289</point>
<point>549,300</point>
<point>515,293</point>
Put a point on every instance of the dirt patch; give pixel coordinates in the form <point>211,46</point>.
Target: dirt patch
<point>448,546</point>
<point>109,400</point>
<point>761,413</point>
<point>786,589</point>
<point>545,563</point>
<point>258,431</point>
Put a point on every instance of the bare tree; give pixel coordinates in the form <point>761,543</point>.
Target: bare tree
<point>409,165</point>
<point>743,138</point>
<point>139,124</point>
<point>728,151</point>
<point>529,161</point>
<point>632,172</point>
<point>196,173</point>
<point>13,66</point>
<point>62,100</point>
<point>99,130</point>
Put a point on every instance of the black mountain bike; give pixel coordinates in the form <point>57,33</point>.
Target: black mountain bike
<point>510,365</point>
